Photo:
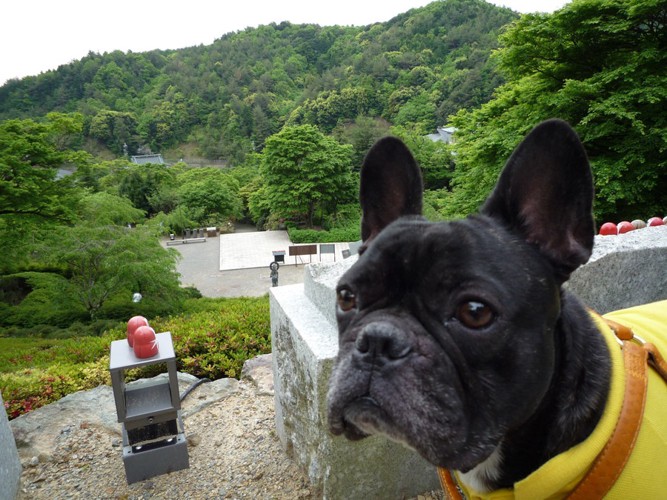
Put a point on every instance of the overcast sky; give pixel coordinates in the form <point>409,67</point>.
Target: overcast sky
<point>39,35</point>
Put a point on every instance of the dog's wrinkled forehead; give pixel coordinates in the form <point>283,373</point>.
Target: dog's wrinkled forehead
<point>412,252</point>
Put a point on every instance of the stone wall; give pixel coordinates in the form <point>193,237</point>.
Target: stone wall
<point>625,270</point>
<point>304,344</point>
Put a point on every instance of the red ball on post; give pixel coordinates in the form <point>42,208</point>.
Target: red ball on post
<point>134,323</point>
<point>145,342</point>
<point>655,221</point>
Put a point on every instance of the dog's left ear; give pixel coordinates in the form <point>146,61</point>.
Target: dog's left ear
<point>391,186</point>
<point>545,193</point>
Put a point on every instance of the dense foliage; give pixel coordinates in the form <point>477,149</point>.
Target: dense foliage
<point>602,66</point>
<point>305,172</point>
<point>213,337</point>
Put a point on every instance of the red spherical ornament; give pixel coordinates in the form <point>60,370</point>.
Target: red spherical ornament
<point>145,342</point>
<point>655,221</point>
<point>134,323</point>
<point>625,226</point>
<point>608,229</point>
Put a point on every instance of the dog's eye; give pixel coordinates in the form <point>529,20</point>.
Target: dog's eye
<point>474,314</point>
<point>346,300</point>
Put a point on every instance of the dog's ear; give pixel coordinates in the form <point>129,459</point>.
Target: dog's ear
<point>545,193</point>
<point>391,186</point>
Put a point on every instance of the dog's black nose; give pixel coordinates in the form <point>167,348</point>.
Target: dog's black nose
<point>383,340</point>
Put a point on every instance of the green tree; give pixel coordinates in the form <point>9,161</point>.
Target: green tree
<point>361,134</point>
<point>434,158</point>
<point>107,262</point>
<point>66,130</point>
<point>306,172</point>
<point>210,196</point>
<point>141,184</point>
<point>29,162</point>
<point>418,113</point>
<point>107,209</point>
<point>602,66</point>
<point>116,130</point>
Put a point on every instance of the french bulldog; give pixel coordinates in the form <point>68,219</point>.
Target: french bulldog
<point>457,338</point>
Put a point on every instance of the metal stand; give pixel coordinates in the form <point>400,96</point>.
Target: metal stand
<point>153,438</point>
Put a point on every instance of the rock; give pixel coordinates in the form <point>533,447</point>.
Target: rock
<point>259,371</point>
<point>193,439</point>
<point>10,464</point>
<point>36,432</point>
<point>304,343</point>
<point>205,394</point>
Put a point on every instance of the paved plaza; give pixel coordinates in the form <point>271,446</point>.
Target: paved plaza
<point>247,250</point>
<point>237,264</point>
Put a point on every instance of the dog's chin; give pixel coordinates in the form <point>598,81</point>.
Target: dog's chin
<point>363,417</point>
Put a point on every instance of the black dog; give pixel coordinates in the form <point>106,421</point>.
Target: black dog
<point>456,338</point>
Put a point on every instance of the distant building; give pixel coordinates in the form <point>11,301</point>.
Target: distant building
<point>64,172</point>
<point>444,134</point>
<point>143,159</point>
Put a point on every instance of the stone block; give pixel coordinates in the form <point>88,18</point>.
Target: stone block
<point>304,345</point>
<point>624,271</point>
<point>10,465</point>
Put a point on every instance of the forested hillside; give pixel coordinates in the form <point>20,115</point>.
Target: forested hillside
<point>228,97</point>
<point>293,109</point>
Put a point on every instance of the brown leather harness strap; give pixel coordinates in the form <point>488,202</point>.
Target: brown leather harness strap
<point>449,485</point>
<point>610,462</point>
<point>657,361</point>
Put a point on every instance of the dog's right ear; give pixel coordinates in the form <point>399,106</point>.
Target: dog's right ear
<point>391,186</point>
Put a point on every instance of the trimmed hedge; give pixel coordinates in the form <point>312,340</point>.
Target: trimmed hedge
<point>336,235</point>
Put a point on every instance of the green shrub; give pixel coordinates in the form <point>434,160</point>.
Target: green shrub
<point>212,339</point>
<point>29,389</point>
<point>44,301</point>
<point>335,235</point>
<point>215,342</point>
<point>341,227</point>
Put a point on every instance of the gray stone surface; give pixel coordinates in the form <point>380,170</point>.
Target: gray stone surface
<point>10,465</point>
<point>320,282</point>
<point>259,371</point>
<point>305,342</point>
<point>625,270</point>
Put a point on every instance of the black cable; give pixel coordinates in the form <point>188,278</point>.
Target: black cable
<point>193,387</point>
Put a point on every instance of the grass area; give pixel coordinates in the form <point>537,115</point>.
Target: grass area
<point>212,339</point>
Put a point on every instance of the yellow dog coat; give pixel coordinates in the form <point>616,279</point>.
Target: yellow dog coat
<point>645,474</point>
